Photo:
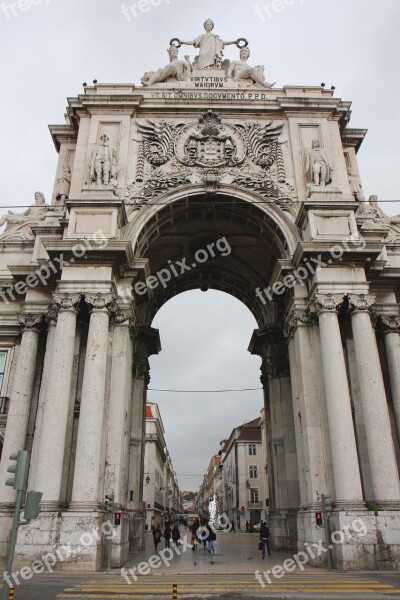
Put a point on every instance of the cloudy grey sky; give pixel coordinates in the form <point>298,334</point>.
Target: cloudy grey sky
<point>50,48</point>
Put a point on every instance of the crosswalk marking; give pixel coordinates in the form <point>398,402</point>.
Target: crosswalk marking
<point>161,587</point>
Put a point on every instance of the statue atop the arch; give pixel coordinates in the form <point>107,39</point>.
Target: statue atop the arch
<point>18,225</point>
<point>175,70</point>
<point>240,70</point>
<point>210,47</point>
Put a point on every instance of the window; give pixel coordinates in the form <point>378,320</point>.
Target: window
<point>252,450</point>
<point>254,495</point>
<point>253,471</point>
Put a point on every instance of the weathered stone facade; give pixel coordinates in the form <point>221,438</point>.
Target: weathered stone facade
<point>147,177</point>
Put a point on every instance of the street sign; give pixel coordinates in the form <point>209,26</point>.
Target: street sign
<point>242,509</point>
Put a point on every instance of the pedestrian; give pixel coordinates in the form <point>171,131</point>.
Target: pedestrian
<point>211,539</point>
<point>156,536</point>
<point>233,526</point>
<point>194,527</point>
<point>176,536</point>
<point>247,527</point>
<point>167,533</point>
<point>264,538</point>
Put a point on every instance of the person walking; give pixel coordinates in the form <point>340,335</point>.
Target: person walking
<point>156,536</point>
<point>176,536</point>
<point>167,533</point>
<point>264,537</point>
<point>211,539</point>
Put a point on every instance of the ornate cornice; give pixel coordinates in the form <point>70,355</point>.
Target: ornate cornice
<point>361,302</point>
<point>294,319</point>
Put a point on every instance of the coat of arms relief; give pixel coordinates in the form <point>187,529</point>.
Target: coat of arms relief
<point>210,152</point>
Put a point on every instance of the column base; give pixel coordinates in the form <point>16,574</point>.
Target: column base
<point>283,528</point>
<point>360,540</point>
<point>72,540</point>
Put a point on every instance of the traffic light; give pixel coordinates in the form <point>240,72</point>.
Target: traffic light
<point>20,469</point>
<point>117,519</point>
<point>109,502</point>
<point>318,519</point>
<point>326,503</point>
<point>32,508</point>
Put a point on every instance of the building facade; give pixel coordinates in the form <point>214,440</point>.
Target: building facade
<point>203,177</point>
<point>161,494</point>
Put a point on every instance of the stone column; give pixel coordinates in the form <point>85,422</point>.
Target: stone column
<point>119,413</point>
<point>90,444</point>
<point>307,400</point>
<point>391,332</point>
<point>346,469</point>
<point>20,402</point>
<point>50,456</point>
<point>147,342</point>
<point>51,331</point>
<point>384,472</point>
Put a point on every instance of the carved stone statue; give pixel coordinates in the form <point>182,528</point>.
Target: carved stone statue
<point>176,68</point>
<point>211,47</point>
<point>318,165</point>
<point>102,162</point>
<point>240,70</point>
<point>18,224</point>
<point>64,184</point>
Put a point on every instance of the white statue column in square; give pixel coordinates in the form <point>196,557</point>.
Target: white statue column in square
<point>391,333</point>
<point>89,461</point>
<point>382,458</point>
<point>50,457</point>
<point>21,396</point>
<point>346,470</point>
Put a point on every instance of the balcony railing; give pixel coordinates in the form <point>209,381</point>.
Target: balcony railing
<point>254,504</point>
<point>4,400</point>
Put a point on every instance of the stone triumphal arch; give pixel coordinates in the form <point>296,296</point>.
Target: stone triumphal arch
<point>147,179</point>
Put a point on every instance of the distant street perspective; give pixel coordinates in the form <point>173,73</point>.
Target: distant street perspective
<point>200,312</point>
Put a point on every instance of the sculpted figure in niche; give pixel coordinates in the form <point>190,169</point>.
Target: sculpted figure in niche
<point>17,224</point>
<point>318,165</point>
<point>64,184</point>
<point>210,47</point>
<point>176,68</point>
<point>240,70</point>
<point>101,163</point>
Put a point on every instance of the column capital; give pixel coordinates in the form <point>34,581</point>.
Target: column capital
<point>275,366</point>
<point>66,301</point>
<point>325,303</point>
<point>30,321</point>
<point>127,316</point>
<point>390,323</point>
<point>361,302</point>
<point>102,302</point>
<point>294,319</point>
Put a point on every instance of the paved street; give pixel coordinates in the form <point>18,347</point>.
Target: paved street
<point>229,574</point>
